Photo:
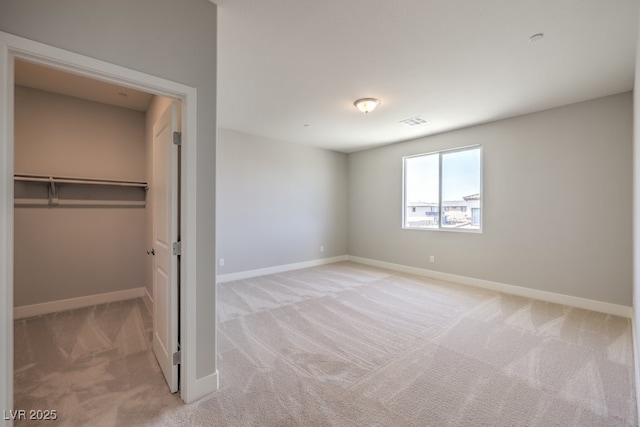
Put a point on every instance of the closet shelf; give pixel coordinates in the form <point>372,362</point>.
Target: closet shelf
<point>75,180</point>
<point>103,197</point>
<point>80,203</point>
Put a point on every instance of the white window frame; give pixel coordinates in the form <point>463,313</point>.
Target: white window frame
<point>440,153</point>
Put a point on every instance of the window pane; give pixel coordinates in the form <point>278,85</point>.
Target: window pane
<point>461,189</point>
<point>421,191</point>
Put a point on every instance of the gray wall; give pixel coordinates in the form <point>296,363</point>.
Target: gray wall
<point>278,202</point>
<point>556,210</point>
<point>172,39</point>
<point>69,252</point>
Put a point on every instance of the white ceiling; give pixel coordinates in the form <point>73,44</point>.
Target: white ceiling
<point>291,69</point>
<point>284,64</point>
<point>51,80</point>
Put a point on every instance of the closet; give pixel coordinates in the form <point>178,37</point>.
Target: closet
<point>83,234</point>
<point>80,193</point>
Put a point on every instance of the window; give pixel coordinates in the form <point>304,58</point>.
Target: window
<point>447,187</point>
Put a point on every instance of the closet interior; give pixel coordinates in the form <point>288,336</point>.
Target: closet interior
<point>83,217</point>
<point>80,190</point>
<point>82,168</point>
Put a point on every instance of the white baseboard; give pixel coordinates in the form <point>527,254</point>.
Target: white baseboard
<point>278,269</point>
<point>148,300</point>
<point>636,360</point>
<point>203,387</point>
<point>71,303</point>
<point>587,304</point>
<point>207,385</point>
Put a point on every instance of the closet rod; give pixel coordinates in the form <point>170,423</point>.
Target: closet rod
<point>81,203</point>
<point>72,180</point>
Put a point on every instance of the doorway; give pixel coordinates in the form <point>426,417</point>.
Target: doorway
<point>95,178</point>
<point>22,49</point>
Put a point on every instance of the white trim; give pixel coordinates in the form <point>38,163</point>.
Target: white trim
<point>188,236</point>
<point>13,46</point>
<point>636,360</point>
<point>6,231</point>
<point>440,201</point>
<point>79,302</point>
<point>587,304</point>
<point>148,300</point>
<point>278,269</point>
<point>207,385</point>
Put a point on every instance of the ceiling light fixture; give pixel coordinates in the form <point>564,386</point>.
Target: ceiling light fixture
<point>366,104</point>
<point>536,37</point>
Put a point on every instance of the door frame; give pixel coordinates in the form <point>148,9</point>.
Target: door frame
<point>12,47</point>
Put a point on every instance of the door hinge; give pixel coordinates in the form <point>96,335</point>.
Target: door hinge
<point>177,138</point>
<point>177,358</point>
<point>177,248</point>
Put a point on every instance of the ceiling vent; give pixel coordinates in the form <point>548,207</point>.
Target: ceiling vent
<point>414,121</point>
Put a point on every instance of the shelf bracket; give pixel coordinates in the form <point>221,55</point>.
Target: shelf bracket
<point>53,193</point>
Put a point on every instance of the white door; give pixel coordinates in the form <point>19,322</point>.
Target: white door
<point>165,233</point>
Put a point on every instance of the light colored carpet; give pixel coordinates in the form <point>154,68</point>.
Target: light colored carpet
<point>94,366</point>
<point>346,344</point>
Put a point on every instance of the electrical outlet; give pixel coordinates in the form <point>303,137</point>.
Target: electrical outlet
<point>432,258</point>
<point>221,262</point>
<point>321,248</point>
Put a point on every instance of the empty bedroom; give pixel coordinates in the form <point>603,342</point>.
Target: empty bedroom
<point>459,255</point>
<point>413,213</point>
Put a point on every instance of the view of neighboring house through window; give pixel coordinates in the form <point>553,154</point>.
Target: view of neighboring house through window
<point>442,190</point>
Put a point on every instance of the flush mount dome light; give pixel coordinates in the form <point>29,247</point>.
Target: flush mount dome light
<point>536,37</point>
<point>366,104</point>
